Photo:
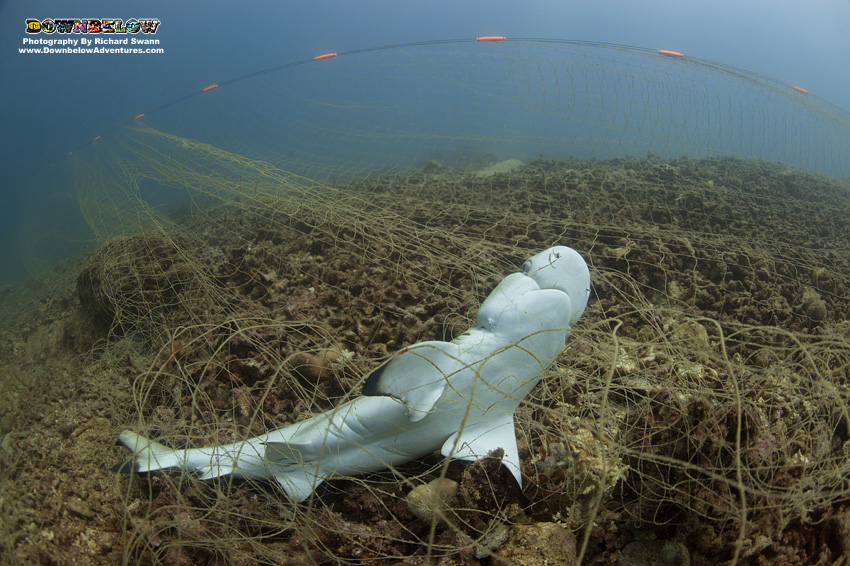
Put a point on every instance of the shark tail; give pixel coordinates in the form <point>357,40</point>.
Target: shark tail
<point>282,461</point>
<point>147,455</point>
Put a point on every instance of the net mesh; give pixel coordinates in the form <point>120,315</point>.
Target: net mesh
<point>251,280</point>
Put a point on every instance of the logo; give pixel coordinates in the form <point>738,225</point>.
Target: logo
<point>112,25</point>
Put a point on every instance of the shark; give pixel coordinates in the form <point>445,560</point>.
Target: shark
<point>458,397</point>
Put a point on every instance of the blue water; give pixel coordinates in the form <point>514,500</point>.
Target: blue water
<point>53,104</point>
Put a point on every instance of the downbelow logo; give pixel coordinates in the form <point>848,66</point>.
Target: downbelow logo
<point>133,25</point>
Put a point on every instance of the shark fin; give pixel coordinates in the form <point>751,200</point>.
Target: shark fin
<point>210,472</point>
<point>288,453</point>
<point>290,462</point>
<point>125,467</point>
<point>297,483</point>
<point>476,440</point>
<point>416,376</point>
<point>147,455</point>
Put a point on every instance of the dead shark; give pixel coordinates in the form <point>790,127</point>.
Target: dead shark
<point>458,397</point>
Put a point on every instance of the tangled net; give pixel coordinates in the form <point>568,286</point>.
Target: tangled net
<point>703,394</point>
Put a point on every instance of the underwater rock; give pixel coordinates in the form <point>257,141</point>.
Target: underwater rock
<point>538,544</point>
<point>319,365</point>
<point>654,553</point>
<point>693,335</point>
<point>625,363</point>
<point>814,306</point>
<point>80,508</point>
<point>580,465</point>
<point>431,166</point>
<point>432,500</point>
<point>497,534</point>
<point>695,373</point>
<point>822,279</point>
<point>505,166</point>
<point>135,283</point>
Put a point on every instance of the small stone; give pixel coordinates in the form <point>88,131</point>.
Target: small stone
<point>492,540</point>
<point>433,499</point>
<point>690,372</point>
<point>7,444</point>
<point>80,508</point>
<point>694,335</point>
<point>625,364</point>
<point>319,365</point>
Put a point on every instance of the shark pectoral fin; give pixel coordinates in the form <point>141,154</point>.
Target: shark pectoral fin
<point>477,440</point>
<point>297,483</point>
<point>290,462</point>
<point>416,376</point>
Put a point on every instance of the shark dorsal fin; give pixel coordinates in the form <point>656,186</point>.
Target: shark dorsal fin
<point>416,376</point>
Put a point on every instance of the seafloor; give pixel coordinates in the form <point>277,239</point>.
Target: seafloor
<point>699,414</point>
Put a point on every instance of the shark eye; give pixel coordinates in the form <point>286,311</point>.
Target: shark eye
<point>526,267</point>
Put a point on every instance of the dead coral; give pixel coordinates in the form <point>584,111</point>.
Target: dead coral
<point>141,284</point>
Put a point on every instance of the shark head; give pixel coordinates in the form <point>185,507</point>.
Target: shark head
<point>564,269</point>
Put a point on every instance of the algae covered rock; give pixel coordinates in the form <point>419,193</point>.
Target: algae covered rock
<point>134,284</point>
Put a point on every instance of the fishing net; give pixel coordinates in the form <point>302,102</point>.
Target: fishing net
<point>251,280</point>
